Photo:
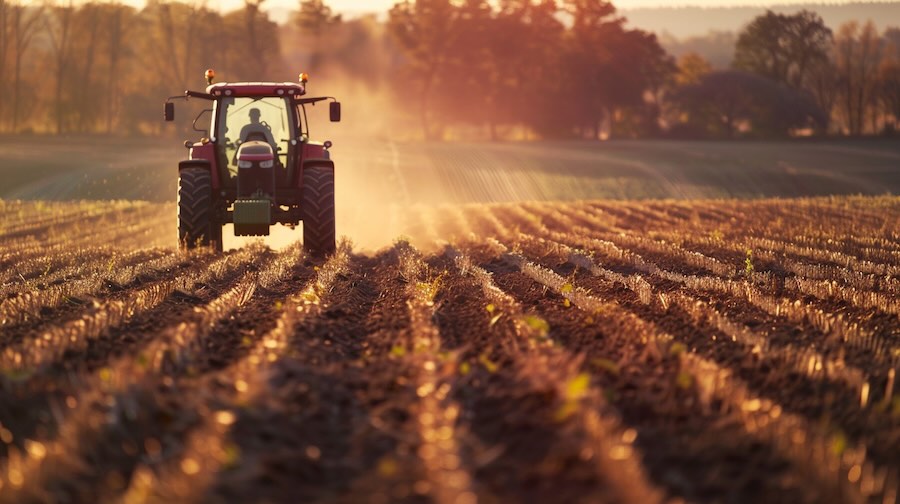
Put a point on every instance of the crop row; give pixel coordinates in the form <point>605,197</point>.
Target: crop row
<point>35,351</point>
<point>109,400</point>
<point>786,431</point>
<point>579,408</point>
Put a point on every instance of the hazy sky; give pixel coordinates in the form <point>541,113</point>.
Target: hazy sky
<point>356,6</point>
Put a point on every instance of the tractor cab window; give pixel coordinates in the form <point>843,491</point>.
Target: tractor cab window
<point>247,119</point>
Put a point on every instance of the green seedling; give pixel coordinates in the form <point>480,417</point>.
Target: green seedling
<point>748,264</point>
<point>677,349</point>
<point>429,290</point>
<point>684,380</point>
<point>574,390</point>
<point>488,364</point>
<point>838,444</point>
<point>537,324</point>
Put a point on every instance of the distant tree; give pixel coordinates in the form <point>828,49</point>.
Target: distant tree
<point>691,68</point>
<point>60,26</point>
<point>889,80</point>
<point>426,31</point>
<point>721,103</point>
<point>858,56</point>
<point>25,23</point>
<point>822,84</point>
<point>783,47</point>
<point>4,48</point>
<point>314,19</point>
<point>892,39</point>
<point>525,86</point>
<point>86,96</point>
<point>118,23</point>
<point>889,93</point>
<point>256,47</point>
<point>608,68</point>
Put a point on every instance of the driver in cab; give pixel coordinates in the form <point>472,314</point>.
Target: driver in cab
<point>257,130</point>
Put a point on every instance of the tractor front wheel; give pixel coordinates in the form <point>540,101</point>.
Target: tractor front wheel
<point>317,210</point>
<point>196,226</point>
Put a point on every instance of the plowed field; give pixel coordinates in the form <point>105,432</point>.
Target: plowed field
<point>704,351</point>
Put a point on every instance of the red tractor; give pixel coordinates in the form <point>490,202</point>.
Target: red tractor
<point>257,168</point>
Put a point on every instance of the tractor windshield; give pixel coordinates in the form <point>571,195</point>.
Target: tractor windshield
<point>247,119</point>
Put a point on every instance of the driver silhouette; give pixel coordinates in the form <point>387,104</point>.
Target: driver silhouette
<point>257,130</point>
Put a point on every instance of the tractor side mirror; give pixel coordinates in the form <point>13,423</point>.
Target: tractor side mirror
<point>334,110</point>
<point>170,111</point>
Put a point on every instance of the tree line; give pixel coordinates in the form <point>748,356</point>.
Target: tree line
<point>449,68</point>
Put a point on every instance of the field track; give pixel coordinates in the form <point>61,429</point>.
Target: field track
<point>599,351</point>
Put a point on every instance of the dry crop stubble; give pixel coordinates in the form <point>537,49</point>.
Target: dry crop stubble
<point>604,351</point>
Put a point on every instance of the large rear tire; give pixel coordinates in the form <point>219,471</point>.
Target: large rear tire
<point>196,226</point>
<point>317,210</point>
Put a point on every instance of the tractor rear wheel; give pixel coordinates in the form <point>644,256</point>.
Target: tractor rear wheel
<point>317,210</point>
<point>196,226</point>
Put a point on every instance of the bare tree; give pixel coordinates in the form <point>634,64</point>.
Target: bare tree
<point>4,46</point>
<point>88,19</point>
<point>59,26</point>
<point>25,24</point>
<point>119,20</point>
<point>858,53</point>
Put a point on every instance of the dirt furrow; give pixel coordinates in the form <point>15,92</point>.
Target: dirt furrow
<point>852,418</point>
<point>42,226</point>
<point>36,351</point>
<point>331,413</point>
<point>31,400</point>
<point>119,408</point>
<point>546,433</point>
<point>188,470</point>
<point>802,478</point>
<point>147,233</point>
<point>858,331</point>
<point>78,283</point>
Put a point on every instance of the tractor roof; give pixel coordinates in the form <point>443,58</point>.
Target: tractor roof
<point>256,89</point>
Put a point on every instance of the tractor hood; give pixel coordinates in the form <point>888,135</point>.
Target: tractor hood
<point>255,151</point>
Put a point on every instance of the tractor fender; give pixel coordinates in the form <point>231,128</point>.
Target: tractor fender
<point>200,163</point>
<point>314,162</point>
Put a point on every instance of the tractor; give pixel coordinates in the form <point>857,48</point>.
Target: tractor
<point>255,166</point>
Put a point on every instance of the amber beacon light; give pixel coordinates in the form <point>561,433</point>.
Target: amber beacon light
<point>210,76</point>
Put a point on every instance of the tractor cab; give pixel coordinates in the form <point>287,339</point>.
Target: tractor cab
<point>245,113</point>
<point>262,167</point>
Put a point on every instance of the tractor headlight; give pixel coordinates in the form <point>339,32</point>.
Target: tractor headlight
<point>245,164</point>
<point>267,164</point>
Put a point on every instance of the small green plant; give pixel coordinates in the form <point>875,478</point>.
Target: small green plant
<point>748,264</point>
<point>684,380</point>
<point>429,290</point>
<point>488,364</point>
<point>537,324</point>
<point>575,389</point>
